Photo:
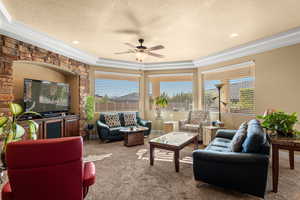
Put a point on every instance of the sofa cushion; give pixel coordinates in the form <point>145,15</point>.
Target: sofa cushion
<point>217,148</point>
<point>239,138</point>
<point>256,138</point>
<point>221,142</point>
<point>112,120</point>
<point>130,119</point>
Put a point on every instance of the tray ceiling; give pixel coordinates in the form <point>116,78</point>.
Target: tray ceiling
<point>188,29</point>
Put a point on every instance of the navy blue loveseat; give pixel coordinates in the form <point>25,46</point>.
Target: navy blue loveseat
<point>107,133</point>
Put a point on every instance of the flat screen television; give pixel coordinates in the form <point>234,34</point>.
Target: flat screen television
<point>45,96</point>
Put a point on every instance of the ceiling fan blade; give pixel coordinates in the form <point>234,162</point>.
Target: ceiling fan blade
<point>157,47</point>
<point>125,52</point>
<point>128,31</point>
<point>130,45</point>
<point>155,55</point>
<point>133,18</point>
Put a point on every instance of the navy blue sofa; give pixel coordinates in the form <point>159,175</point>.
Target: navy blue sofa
<point>246,172</point>
<point>107,133</point>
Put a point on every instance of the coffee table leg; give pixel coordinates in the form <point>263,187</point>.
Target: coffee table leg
<point>176,160</point>
<point>275,167</point>
<point>151,155</point>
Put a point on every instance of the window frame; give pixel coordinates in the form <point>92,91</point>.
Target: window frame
<point>118,78</point>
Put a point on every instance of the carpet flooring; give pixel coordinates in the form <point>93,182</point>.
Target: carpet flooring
<point>124,173</point>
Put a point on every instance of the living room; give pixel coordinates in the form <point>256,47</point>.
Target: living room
<point>149,99</point>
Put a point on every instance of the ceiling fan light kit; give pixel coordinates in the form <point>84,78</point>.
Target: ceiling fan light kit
<point>142,51</point>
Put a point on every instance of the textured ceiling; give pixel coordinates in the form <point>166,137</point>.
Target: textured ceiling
<point>189,29</point>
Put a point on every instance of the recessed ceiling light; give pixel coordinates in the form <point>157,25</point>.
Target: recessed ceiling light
<point>233,35</point>
<point>75,42</point>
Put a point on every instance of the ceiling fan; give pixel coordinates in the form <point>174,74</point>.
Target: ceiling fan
<point>141,51</point>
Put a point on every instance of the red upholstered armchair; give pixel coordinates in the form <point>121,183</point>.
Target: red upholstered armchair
<point>49,169</point>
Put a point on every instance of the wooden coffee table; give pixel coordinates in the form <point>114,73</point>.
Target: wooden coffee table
<point>134,136</point>
<point>174,141</point>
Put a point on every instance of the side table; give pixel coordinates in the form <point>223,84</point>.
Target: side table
<point>169,126</point>
<point>209,133</point>
<point>133,136</point>
<point>288,143</point>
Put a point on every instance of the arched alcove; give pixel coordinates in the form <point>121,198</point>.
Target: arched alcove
<point>15,51</point>
<point>46,72</point>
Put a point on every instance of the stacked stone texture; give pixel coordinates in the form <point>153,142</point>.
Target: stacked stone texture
<point>14,50</point>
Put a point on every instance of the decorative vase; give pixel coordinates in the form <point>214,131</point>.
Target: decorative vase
<point>158,114</point>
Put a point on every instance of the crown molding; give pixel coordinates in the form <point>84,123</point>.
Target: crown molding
<point>118,74</point>
<point>230,67</point>
<point>169,65</point>
<point>169,75</point>
<point>283,39</point>
<point>4,14</point>
<point>145,66</point>
<point>104,62</point>
<point>19,31</point>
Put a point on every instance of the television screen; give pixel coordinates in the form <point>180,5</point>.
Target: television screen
<point>46,96</point>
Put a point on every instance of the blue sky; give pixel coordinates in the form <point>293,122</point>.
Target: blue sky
<point>115,88</point>
<point>211,83</point>
<point>172,88</point>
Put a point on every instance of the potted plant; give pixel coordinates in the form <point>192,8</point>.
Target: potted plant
<point>12,131</point>
<point>90,111</point>
<point>280,122</point>
<point>160,103</point>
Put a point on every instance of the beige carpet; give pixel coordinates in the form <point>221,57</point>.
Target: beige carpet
<point>124,173</point>
<point>127,175</point>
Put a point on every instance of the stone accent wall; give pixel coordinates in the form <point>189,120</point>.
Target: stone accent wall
<point>14,50</point>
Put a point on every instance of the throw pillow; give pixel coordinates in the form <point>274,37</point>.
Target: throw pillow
<point>112,120</point>
<point>130,119</point>
<point>255,139</point>
<point>239,138</point>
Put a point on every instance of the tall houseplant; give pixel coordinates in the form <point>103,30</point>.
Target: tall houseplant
<point>160,103</point>
<point>280,122</point>
<point>90,111</point>
<point>12,131</point>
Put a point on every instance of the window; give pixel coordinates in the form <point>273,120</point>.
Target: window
<point>179,94</point>
<point>241,95</point>
<point>237,92</point>
<point>116,95</point>
<point>210,94</point>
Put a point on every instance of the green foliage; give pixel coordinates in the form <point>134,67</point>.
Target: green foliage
<point>247,99</point>
<point>161,101</point>
<point>105,99</point>
<point>90,108</point>
<point>11,131</point>
<point>281,122</point>
<point>33,128</point>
